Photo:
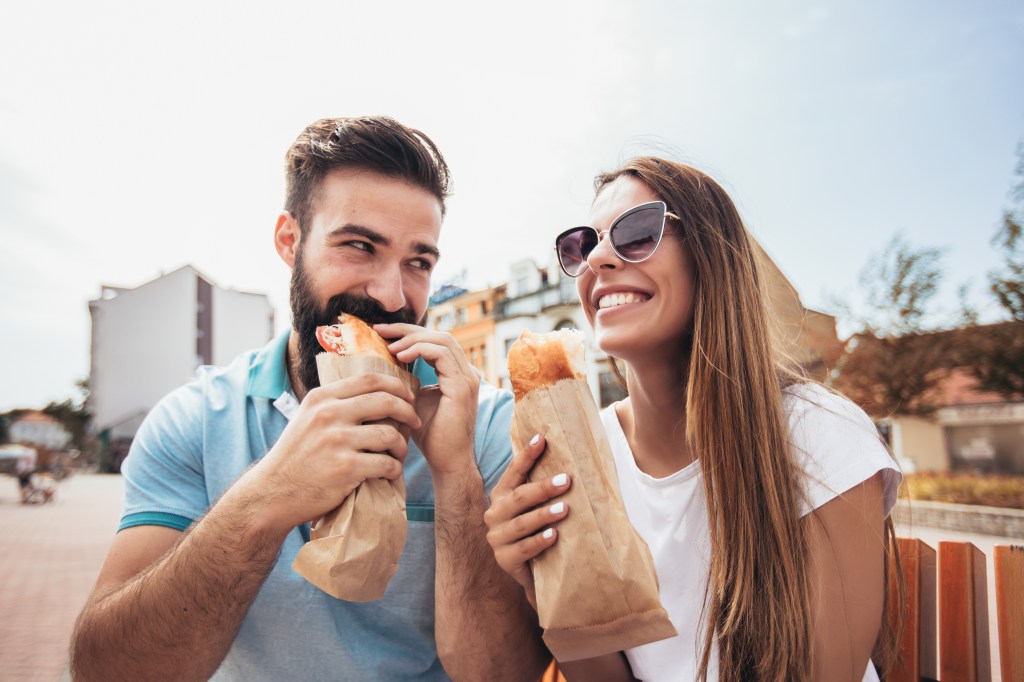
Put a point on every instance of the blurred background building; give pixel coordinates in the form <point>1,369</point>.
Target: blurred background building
<point>150,339</point>
<point>540,299</point>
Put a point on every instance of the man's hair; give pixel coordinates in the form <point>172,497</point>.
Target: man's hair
<point>372,143</point>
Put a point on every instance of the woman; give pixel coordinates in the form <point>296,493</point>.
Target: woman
<point>763,497</point>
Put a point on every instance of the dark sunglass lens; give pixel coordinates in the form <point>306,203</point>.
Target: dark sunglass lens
<point>574,248</point>
<point>637,235</point>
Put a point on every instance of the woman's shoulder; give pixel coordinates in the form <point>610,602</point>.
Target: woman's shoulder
<point>812,403</point>
<point>835,443</point>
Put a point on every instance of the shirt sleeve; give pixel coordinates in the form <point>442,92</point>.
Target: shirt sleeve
<point>493,434</point>
<point>163,474</point>
<point>837,446</point>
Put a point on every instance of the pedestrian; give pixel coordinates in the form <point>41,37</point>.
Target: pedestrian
<point>24,468</point>
<point>763,497</point>
<point>226,473</point>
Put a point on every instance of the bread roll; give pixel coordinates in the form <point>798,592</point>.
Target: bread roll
<point>537,360</point>
<point>352,336</point>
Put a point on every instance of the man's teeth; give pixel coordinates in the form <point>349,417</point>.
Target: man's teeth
<point>612,300</point>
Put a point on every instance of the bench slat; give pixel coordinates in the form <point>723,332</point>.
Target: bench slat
<point>963,614</point>
<point>1009,572</point>
<point>918,659</point>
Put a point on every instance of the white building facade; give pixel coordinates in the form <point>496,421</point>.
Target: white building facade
<point>148,340</point>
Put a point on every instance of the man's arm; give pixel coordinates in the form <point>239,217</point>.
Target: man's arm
<point>169,609</point>
<point>484,627</point>
<point>170,604</point>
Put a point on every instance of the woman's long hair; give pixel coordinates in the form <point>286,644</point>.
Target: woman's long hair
<point>758,606</point>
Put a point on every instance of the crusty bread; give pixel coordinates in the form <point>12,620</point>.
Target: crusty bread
<point>352,336</point>
<point>538,360</point>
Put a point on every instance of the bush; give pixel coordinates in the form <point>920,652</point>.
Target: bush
<point>989,491</point>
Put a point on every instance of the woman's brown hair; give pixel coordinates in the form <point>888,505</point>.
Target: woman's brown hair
<point>758,606</point>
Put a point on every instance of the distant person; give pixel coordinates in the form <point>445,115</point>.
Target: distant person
<point>226,473</point>
<point>763,496</point>
<point>24,468</point>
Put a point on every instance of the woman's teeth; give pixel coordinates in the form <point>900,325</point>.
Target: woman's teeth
<point>612,300</point>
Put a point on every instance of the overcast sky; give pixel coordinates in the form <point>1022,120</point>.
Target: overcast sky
<point>139,137</point>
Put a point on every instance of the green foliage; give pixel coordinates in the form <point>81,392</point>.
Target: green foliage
<point>900,283</point>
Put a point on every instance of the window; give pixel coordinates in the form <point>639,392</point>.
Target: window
<point>565,324</point>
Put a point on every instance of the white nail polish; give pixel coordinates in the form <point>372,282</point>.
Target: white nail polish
<point>535,439</point>
<point>559,480</point>
<point>548,533</point>
<point>557,508</point>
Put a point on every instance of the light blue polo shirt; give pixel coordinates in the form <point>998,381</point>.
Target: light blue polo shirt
<point>201,437</point>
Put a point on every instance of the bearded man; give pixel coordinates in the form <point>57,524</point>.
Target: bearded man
<point>227,472</point>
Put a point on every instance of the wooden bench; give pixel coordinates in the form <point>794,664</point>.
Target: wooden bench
<point>951,643</point>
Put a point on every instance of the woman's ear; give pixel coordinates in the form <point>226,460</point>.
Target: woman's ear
<point>286,238</point>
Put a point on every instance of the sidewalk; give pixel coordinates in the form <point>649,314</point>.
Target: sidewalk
<point>49,558</point>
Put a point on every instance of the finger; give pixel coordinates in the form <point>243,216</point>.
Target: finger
<point>361,384</point>
<point>448,363</point>
<point>531,495</point>
<point>375,438</point>
<point>377,406</point>
<point>396,330</point>
<point>520,466</point>
<point>528,524</point>
<point>421,335</point>
<point>514,555</point>
<point>373,465</point>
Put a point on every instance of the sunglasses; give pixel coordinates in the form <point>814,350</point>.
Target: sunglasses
<point>634,235</point>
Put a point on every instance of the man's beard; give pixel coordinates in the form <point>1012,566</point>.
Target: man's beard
<point>307,316</point>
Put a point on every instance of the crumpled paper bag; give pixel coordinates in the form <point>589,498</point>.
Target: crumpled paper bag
<point>597,590</point>
<point>353,551</point>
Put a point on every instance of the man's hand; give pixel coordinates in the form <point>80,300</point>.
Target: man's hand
<point>327,450</point>
<point>448,410</point>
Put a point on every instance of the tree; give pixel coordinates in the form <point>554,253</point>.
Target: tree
<point>894,364</point>
<point>996,360</point>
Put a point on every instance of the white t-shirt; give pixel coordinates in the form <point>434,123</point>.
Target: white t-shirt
<point>837,446</point>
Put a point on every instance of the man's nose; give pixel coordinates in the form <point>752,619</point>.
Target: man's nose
<point>386,288</point>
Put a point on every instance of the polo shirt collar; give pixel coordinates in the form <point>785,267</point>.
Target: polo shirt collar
<point>268,374</point>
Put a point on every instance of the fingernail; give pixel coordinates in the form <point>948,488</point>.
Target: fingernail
<point>560,480</point>
<point>535,439</point>
<point>557,508</point>
<point>549,533</point>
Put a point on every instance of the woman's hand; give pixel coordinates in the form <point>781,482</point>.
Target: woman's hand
<point>521,516</point>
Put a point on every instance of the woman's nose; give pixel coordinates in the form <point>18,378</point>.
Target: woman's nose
<point>603,255</point>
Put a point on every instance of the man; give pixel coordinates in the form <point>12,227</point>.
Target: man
<point>198,581</point>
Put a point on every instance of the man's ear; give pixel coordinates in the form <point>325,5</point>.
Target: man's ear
<point>286,238</point>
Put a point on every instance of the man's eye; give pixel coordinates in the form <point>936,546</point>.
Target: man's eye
<point>422,264</point>
<point>360,245</point>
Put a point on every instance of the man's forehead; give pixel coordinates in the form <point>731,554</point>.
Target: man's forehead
<point>397,209</point>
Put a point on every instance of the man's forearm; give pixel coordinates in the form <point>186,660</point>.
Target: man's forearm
<point>177,619</point>
<point>485,628</point>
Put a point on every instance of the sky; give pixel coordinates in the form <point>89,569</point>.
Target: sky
<point>138,138</point>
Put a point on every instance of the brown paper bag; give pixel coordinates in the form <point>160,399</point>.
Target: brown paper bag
<point>597,591</point>
<point>353,551</point>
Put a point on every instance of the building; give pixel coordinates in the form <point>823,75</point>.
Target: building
<point>469,317</point>
<point>542,299</point>
<point>972,430</point>
<point>150,339</point>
